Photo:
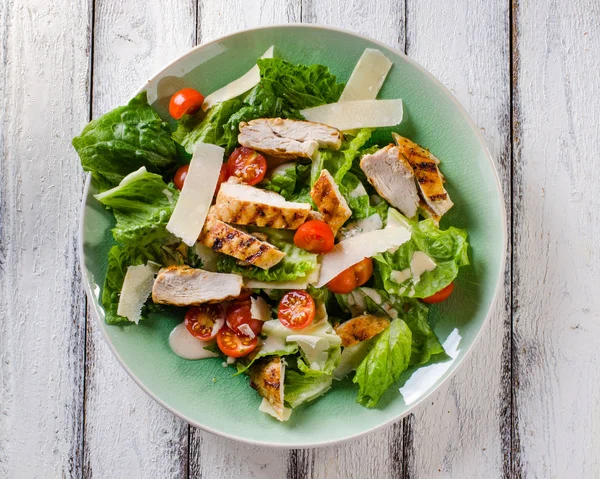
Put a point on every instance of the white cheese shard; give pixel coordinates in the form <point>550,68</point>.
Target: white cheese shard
<point>265,406</point>
<point>368,76</point>
<point>136,288</point>
<point>351,115</point>
<point>208,256</point>
<point>352,250</point>
<point>259,309</point>
<point>246,330</point>
<point>196,196</point>
<point>234,89</point>
<point>301,283</point>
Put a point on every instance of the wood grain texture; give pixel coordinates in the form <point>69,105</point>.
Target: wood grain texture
<point>556,223</point>
<point>459,433</point>
<point>42,305</point>
<point>127,434</point>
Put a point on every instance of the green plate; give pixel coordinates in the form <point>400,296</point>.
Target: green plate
<point>204,393</point>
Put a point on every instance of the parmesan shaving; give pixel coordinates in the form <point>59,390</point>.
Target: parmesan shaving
<point>368,76</point>
<point>259,309</point>
<point>136,288</point>
<point>352,250</point>
<point>350,115</point>
<point>237,87</point>
<point>196,196</point>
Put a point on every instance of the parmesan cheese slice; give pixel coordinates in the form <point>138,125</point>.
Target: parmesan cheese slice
<point>236,87</point>
<point>350,115</point>
<point>352,250</point>
<point>368,76</point>
<point>301,283</point>
<point>259,309</point>
<point>196,196</point>
<point>136,288</point>
<point>265,406</point>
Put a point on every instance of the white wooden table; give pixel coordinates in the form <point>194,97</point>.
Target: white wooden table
<point>527,401</point>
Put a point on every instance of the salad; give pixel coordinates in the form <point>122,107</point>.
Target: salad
<point>296,245</point>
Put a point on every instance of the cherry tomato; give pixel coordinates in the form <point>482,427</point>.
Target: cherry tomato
<point>185,102</point>
<point>245,293</point>
<point>222,177</point>
<point>238,314</point>
<point>296,309</point>
<point>314,236</point>
<point>205,321</point>
<point>180,175</point>
<point>247,165</point>
<point>441,295</point>
<point>351,278</point>
<point>235,345</point>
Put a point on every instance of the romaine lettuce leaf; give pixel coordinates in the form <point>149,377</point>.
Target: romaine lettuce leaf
<point>123,140</point>
<point>282,180</point>
<point>142,204</point>
<point>300,388</point>
<point>384,364</point>
<point>297,263</point>
<point>447,248</point>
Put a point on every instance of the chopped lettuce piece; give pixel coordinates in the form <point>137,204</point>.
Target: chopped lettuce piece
<point>282,180</point>
<point>384,364</point>
<point>142,204</point>
<point>447,248</point>
<point>300,388</point>
<point>123,140</point>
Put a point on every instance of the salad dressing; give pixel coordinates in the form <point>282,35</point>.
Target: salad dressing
<point>419,264</point>
<point>187,346</point>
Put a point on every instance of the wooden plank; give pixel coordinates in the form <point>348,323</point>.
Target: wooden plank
<point>127,434</point>
<point>460,432</point>
<point>212,456</point>
<point>43,86</point>
<point>556,223</point>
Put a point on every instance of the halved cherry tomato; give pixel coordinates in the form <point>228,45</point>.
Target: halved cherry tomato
<point>235,345</point>
<point>245,293</point>
<point>296,309</point>
<point>180,175</point>
<point>205,321</point>
<point>238,313</point>
<point>314,236</point>
<point>185,102</point>
<point>247,165</point>
<point>441,295</point>
<point>351,278</point>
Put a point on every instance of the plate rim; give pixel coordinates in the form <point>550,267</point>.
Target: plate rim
<point>499,280</point>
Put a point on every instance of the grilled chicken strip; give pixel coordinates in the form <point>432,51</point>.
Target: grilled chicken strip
<point>247,205</point>
<point>431,181</point>
<point>330,202</point>
<point>185,286</point>
<point>360,329</point>
<point>267,377</point>
<point>233,242</point>
<point>288,138</point>
<point>393,178</point>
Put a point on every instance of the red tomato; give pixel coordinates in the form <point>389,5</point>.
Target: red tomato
<point>314,236</point>
<point>238,313</point>
<point>296,309</point>
<point>204,322</point>
<point>351,278</point>
<point>180,175</point>
<point>185,102</point>
<point>235,345</point>
<point>222,177</point>
<point>247,165</point>
<point>441,295</point>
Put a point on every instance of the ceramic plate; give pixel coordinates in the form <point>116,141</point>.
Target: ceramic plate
<point>204,393</point>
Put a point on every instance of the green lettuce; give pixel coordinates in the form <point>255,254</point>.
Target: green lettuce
<point>447,248</point>
<point>384,364</point>
<point>300,388</point>
<point>142,204</point>
<point>123,140</point>
<point>297,263</point>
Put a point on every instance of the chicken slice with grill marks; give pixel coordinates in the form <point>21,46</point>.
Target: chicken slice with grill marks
<point>185,286</point>
<point>330,202</point>
<point>267,377</point>
<point>361,328</point>
<point>427,173</point>
<point>231,241</point>
<point>393,178</point>
<point>285,138</point>
<point>247,205</point>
